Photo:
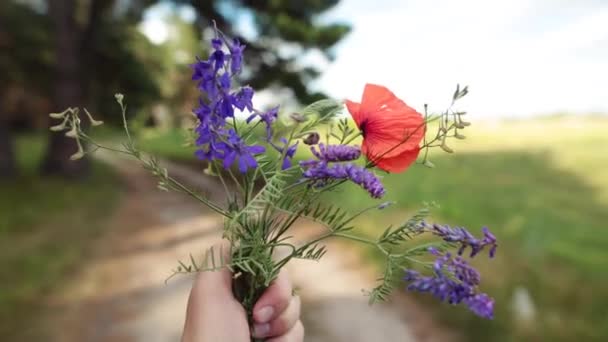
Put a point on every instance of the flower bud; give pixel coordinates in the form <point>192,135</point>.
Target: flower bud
<point>93,121</point>
<point>210,171</point>
<point>59,127</point>
<point>297,117</point>
<point>119,98</point>
<point>385,204</point>
<point>312,138</point>
<point>459,136</point>
<point>72,133</point>
<point>77,155</point>
<point>428,164</point>
<point>446,148</point>
<point>58,115</point>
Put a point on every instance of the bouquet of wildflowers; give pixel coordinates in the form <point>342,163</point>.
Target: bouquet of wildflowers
<point>268,191</point>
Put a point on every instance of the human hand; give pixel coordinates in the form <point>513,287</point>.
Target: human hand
<point>214,314</point>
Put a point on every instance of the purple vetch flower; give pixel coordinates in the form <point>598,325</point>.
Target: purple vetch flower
<point>454,281</point>
<point>464,238</point>
<point>336,153</point>
<point>456,266</point>
<point>320,173</point>
<point>329,166</point>
<point>481,304</point>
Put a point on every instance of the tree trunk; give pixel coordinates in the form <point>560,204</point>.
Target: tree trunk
<point>67,89</point>
<point>8,164</point>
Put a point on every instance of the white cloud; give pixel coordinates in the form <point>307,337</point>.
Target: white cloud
<point>520,57</point>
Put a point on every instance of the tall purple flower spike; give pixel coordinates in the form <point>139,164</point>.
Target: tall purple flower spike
<point>215,141</point>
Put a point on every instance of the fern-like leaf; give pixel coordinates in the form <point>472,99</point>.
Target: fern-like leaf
<point>271,193</point>
<point>406,231</point>
<point>314,252</point>
<point>320,113</point>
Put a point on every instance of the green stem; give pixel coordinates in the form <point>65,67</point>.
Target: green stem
<point>194,195</point>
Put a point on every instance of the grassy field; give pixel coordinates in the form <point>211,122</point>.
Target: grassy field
<point>45,227</point>
<point>541,186</point>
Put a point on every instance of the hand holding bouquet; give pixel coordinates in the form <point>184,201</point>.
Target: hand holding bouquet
<point>267,191</point>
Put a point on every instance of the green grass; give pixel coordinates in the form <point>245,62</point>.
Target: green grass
<point>541,187</point>
<point>171,144</point>
<point>46,225</point>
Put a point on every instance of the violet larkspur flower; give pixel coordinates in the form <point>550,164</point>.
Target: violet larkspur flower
<point>336,153</point>
<point>244,99</point>
<point>289,153</point>
<point>268,118</point>
<point>320,173</point>
<point>236,56</point>
<point>235,148</point>
<point>215,141</point>
<point>454,281</point>
<point>465,238</point>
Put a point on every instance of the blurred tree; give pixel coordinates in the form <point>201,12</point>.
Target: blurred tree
<point>282,31</point>
<point>70,53</point>
<point>95,44</point>
<point>80,52</point>
<point>25,64</point>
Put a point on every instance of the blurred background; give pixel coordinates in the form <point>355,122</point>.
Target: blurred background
<point>82,242</point>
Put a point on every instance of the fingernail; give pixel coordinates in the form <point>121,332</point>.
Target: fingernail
<point>264,314</point>
<point>261,330</point>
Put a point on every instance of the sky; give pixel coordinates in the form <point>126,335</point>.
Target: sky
<point>519,57</point>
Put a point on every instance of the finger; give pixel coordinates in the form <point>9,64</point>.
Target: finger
<point>218,282</point>
<point>281,324</point>
<point>211,283</point>
<point>209,290</point>
<point>296,334</point>
<point>274,300</point>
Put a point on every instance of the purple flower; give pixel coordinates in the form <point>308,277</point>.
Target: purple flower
<point>216,141</point>
<point>268,118</point>
<point>489,239</point>
<point>291,151</point>
<point>454,281</point>
<point>235,148</point>
<point>244,99</point>
<point>481,304</point>
<point>236,56</point>
<point>320,173</point>
<point>464,238</point>
<point>336,153</point>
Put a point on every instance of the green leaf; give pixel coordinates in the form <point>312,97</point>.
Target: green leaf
<point>320,113</point>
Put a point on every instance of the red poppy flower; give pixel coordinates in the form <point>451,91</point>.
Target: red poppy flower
<point>391,130</point>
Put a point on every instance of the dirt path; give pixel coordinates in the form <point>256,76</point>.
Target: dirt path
<point>121,293</point>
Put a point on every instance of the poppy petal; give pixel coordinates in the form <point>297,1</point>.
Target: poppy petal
<point>398,163</point>
<point>395,129</point>
<point>375,97</point>
<point>354,109</point>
